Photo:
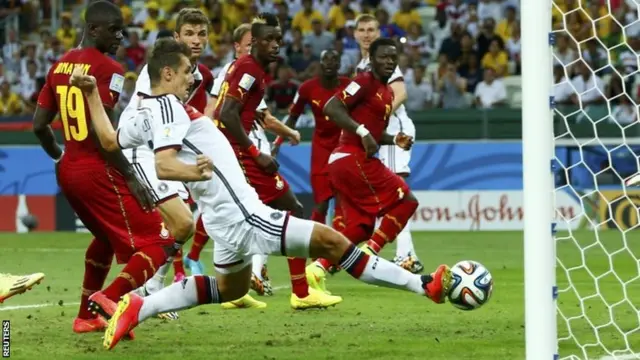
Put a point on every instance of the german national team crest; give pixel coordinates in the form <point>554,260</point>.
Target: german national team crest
<point>163,187</point>
<point>276,215</point>
<point>279,183</point>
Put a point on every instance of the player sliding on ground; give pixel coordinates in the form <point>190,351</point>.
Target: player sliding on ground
<point>233,215</point>
<point>101,186</point>
<point>169,196</point>
<point>365,188</point>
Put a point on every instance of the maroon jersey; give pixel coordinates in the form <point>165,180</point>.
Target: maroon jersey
<point>58,96</point>
<point>369,102</point>
<point>202,84</point>
<point>245,82</point>
<point>326,132</point>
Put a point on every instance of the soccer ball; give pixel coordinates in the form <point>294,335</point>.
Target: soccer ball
<point>472,285</point>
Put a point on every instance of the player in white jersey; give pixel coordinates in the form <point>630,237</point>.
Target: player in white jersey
<point>170,196</point>
<point>394,157</point>
<point>185,142</point>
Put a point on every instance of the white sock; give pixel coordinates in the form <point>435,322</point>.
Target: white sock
<point>179,296</point>
<point>379,271</point>
<point>157,280</point>
<point>258,260</point>
<point>404,243</point>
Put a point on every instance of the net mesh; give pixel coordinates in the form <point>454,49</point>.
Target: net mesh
<point>597,137</point>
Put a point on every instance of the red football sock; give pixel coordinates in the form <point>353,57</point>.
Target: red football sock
<point>200,239</point>
<point>299,285</point>
<point>178,266</point>
<point>326,264</point>
<point>97,262</point>
<point>392,224</point>
<point>140,267</point>
<point>319,217</point>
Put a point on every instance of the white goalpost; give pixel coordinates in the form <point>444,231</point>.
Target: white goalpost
<point>537,147</point>
<point>582,268</point>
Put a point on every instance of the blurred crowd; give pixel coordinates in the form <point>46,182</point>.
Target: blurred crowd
<point>463,53</point>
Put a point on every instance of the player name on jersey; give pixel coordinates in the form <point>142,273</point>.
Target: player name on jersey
<point>67,68</point>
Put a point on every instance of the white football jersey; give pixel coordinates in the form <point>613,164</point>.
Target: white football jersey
<point>164,122</point>
<point>401,111</point>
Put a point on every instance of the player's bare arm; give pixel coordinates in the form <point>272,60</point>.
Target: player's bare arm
<point>275,126</point>
<point>42,129</point>
<point>291,124</point>
<point>230,117</point>
<point>211,107</point>
<point>169,167</point>
<point>399,94</point>
<point>337,111</point>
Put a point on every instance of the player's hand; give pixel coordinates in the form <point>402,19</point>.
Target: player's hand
<point>267,163</point>
<point>86,83</point>
<point>404,141</point>
<point>370,145</point>
<point>294,139</point>
<point>205,166</point>
<point>141,192</point>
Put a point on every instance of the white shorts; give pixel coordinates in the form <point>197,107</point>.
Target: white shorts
<point>392,156</point>
<point>143,161</point>
<point>267,231</point>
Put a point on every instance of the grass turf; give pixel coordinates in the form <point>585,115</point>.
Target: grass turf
<point>372,322</point>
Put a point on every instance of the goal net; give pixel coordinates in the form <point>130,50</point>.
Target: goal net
<point>597,145</point>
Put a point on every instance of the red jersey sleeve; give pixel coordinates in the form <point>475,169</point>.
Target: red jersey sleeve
<point>110,82</point>
<point>299,101</point>
<point>47,96</point>
<point>356,90</point>
<point>242,81</point>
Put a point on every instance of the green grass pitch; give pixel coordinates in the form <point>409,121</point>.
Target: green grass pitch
<point>371,323</point>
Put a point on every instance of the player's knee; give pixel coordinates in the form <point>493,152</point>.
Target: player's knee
<point>327,243</point>
<point>411,198</point>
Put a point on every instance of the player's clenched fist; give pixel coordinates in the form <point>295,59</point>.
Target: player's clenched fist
<point>86,83</point>
<point>404,141</point>
<point>205,166</point>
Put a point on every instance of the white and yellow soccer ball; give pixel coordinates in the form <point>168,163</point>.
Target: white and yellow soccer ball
<point>472,285</point>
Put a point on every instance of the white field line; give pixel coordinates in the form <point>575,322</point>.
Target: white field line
<point>35,306</point>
